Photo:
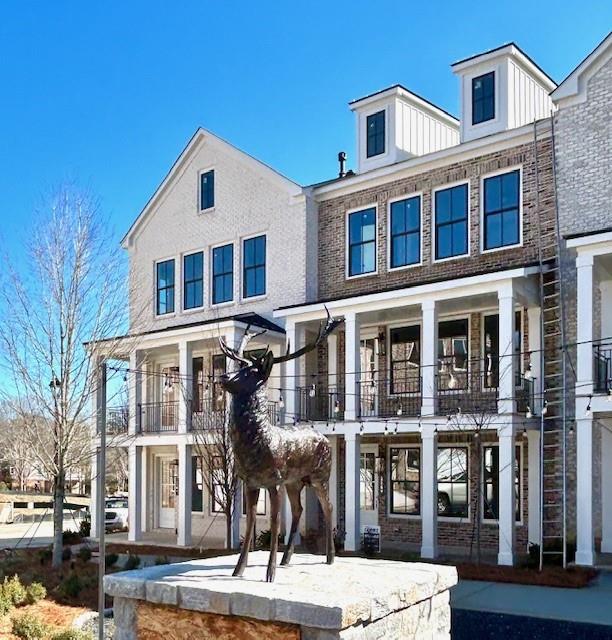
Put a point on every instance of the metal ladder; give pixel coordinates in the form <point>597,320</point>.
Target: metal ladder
<point>553,354</point>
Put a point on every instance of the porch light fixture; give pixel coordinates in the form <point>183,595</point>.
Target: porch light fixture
<point>571,429</point>
<point>452,381</point>
<point>281,402</point>
<point>545,408</point>
<point>361,428</point>
<point>528,375</point>
<point>386,431</point>
<point>382,348</point>
<point>588,413</point>
<point>399,410</point>
<point>337,407</point>
<point>313,390</point>
<point>396,426</point>
<point>528,413</point>
<point>220,397</point>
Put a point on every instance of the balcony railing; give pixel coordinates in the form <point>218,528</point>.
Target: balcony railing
<point>209,414</point>
<point>158,417</point>
<point>466,388</point>
<point>319,404</point>
<point>525,395</point>
<point>387,398</point>
<point>602,367</point>
<point>117,420</point>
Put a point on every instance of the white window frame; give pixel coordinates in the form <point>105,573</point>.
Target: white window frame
<point>389,243</point>
<point>404,445</point>
<point>493,174</point>
<point>227,303</point>
<point>434,229</point>
<point>347,215</point>
<point>177,287</point>
<point>494,521</point>
<point>182,278</point>
<point>247,299</point>
<point>201,172</point>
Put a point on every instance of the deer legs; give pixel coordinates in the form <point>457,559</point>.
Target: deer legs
<point>322,492</point>
<point>293,493</point>
<point>275,502</point>
<point>251,505</point>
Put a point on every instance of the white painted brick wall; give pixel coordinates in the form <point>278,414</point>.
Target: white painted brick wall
<point>248,201</point>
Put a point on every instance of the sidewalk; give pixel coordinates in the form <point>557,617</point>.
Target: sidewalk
<point>592,604</point>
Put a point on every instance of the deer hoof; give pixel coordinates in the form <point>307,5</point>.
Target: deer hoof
<point>286,559</point>
<point>270,574</point>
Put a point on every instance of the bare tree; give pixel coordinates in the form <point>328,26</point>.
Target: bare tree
<point>70,290</point>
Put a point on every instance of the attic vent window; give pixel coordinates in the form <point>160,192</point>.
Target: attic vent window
<point>483,98</point>
<point>207,190</point>
<point>375,130</point>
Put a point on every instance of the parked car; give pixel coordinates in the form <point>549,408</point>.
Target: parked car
<point>116,514</point>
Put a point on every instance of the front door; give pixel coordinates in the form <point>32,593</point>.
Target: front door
<point>168,491</point>
<point>368,485</point>
<point>368,379</point>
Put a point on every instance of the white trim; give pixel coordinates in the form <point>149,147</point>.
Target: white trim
<point>347,216</point>
<point>391,201</point>
<point>402,445</point>
<point>226,303</point>
<point>201,172</point>
<point>434,230</point>
<point>493,174</point>
<point>590,242</point>
<point>177,287</point>
<point>247,299</point>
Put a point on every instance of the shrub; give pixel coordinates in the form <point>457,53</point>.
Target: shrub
<point>85,528</point>
<point>162,560</point>
<point>35,592</point>
<point>14,590</point>
<point>29,627</point>
<point>132,562</point>
<point>111,559</point>
<point>84,554</point>
<point>45,555</point>
<point>71,537</point>
<point>72,634</point>
<point>3,486</point>
<point>6,604</point>
<point>264,538</point>
<point>71,586</point>
<point>66,554</point>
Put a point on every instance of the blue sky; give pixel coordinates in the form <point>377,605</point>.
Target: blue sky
<point>109,93</point>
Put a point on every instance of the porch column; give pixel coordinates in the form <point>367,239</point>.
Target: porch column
<point>93,505</point>
<point>606,488</point>
<point>134,492</point>
<point>144,516</point>
<point>352,503</point>
<point>332,372</point>
<point>584,326</point>
<point>351,367</point>
<point>429,489</point>
<point>295,340</point>
<point>534,329</point>
<point>507,360</point>
<point>184,497</point>
<point>333,479</point>
<point>185,386</point>
<point>507,462</point>
<point>135,391</point>
<point>236,514</point>
<point>533,484</point>
<point>429,357</point>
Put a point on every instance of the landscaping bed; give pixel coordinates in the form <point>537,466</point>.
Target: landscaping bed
<point>157,550</point>
<point>571,578</point>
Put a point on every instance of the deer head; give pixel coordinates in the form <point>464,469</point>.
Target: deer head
<point>255,370</point>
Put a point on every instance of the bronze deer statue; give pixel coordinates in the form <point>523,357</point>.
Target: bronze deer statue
<point>270,456</point>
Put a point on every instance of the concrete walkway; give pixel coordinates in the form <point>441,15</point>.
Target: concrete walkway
<point>31,534</point>
<point>592,604</point>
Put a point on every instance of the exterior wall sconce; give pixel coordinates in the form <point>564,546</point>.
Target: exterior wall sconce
<point>382,343</point>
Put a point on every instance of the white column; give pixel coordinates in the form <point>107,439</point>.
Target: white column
<point>534,329</point>
<point>93,506</point>
<point>134,492</point>
<point>429,357</point>
<point>135,390</point>
<point>533,484</point>
<point>184,497</point>
<point>352,364</point>
<point>236,515</point>
<point>333,479</point>
<point>186,386</point>
<point>352,503</point>
<point>332,372</point>
<point>585,550</point>
<point>584,326</point>
<point>295,339</point>
<point>507,360</point>
<point>429,492</point>
<point>606,488</point>
<point>506,495</point>
<point>144,519</point>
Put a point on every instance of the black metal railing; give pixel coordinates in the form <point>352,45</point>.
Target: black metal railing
<point>317,403</point>
<point>390,397</point>
<point>158,417</point>
<point>467,388</point>
<point>525,395</point>
<point>602,367</point>
<point>210,413</point>
<point>117,420</point>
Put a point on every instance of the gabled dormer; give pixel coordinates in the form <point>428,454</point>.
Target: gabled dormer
<point>501,89</point>
<point>395,124</point>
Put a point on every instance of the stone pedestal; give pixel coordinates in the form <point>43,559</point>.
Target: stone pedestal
<point>354,598</point>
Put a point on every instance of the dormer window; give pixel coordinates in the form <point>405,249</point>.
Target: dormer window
<point>207,190</point>
<point>483,98</point>
<point>375,126</point>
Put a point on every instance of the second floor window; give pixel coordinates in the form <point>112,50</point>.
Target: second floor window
<point>405,232</point>
<point>483,98</point>
<point>451,211</point>
<point>193,280</point>
<point>362,242</point>
<point>223,274</point>
<point>207,190</point>
<point>254,267</point>
<point>165,288</point>
<point>501,210</point>
<point>375,134</point>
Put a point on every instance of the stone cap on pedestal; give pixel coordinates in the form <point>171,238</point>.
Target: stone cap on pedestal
<point>308,592</point>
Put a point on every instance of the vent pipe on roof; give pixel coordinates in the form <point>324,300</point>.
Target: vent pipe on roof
<point>341,162</point>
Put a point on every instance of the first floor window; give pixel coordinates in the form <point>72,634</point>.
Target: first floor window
<point>405,498</point>
<point>165,287</point>
<point>405,359</point>
<point>193,280</point>
<point>501,210</point>
<point>362,242</point>
<point>197,484</point>
<point>207,190</point>
<point>405,232</point>
<point>254,271</point>
<point>453,482</point>
<point>367,481</point>
<point>451,215</point>
<point>217,494</point>
<point>223,274</point>
<point>491,483</point>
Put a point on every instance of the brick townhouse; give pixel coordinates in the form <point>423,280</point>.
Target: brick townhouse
<point>459,253</point>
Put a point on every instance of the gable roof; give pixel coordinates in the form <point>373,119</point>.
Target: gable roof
<point>575,83</point>
<point>194,143</point>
